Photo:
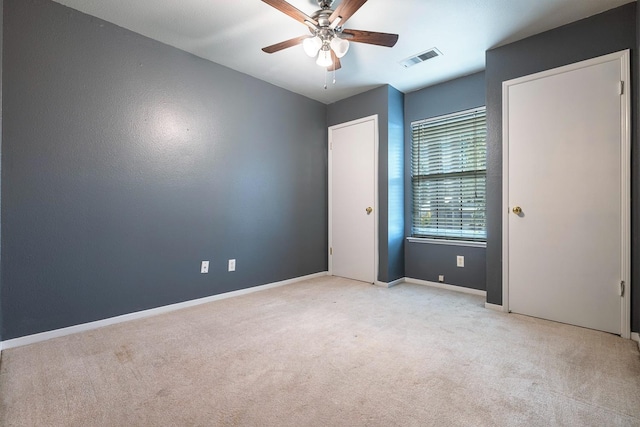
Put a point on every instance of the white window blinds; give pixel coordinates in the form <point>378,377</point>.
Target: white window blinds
<point>448,175</point>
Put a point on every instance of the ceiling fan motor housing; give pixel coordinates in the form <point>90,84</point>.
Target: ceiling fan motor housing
<point>324,30</point>
<point>322,17</point>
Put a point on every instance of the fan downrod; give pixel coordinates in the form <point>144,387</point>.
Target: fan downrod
<point>325,4</point>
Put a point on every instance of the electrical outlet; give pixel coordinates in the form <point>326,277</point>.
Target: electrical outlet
<point>204,267</point>
<point>441,278</point>
<point>232,265</point>
<point>460,261</point>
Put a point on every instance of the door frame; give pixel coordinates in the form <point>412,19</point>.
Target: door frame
<point>373,118</point>
<point>625,175</point>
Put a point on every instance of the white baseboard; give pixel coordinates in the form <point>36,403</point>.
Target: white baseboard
<point>445,286</point>
<point>396,282</point>
<point>636,337</point>
<point>43,336</point>
<point>494,307</point>
<point>389,284</point>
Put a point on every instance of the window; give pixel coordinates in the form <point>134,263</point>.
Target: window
<point>449,175</point>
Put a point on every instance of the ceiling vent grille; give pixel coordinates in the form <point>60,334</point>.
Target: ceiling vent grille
<point>421,57</point>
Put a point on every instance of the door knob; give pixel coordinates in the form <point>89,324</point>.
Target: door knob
<point>517,210</point>
<point>369,210</point>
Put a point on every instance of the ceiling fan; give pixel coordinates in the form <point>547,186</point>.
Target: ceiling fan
<point>329,40</point>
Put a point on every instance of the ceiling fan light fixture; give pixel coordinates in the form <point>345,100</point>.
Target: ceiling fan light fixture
<point>329,40</point>
<point>312,45</point>
<point>324,58</point>
<point>339,46</point>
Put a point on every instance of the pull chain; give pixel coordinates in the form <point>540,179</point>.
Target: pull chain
<point>326,73</point>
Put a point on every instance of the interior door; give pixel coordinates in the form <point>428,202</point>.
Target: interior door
<point>352,199</point>
<point>566,198</point>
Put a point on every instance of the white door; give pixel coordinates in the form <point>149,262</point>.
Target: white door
<point>352,199</point>
<point>566,168</point>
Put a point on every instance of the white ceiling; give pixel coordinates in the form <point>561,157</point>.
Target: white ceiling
<point>232,33</point>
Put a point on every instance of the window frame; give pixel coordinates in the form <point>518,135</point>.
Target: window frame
<point>441,233</point>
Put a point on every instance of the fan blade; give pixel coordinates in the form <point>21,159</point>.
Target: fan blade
<point>346,9</point>
<point>283,45</point>
<point>336,63</point>
<point>293,12</point>
<point>370,37</point>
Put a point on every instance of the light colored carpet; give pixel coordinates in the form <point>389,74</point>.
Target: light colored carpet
<point>327,352</point>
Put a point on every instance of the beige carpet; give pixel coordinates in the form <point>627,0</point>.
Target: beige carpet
<point>327,352</point>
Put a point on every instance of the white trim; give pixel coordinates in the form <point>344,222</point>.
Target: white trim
<point>636,337</point>
<point>623,57</point>
<point>389,284</point>
<point>43,336</point>
<point>376,148</point>
<point>505,196</point>
<point>445,286</point>
<point>468,243</point>
<point>494,307</point>
<point>396,282</point>
<point>625,186</point>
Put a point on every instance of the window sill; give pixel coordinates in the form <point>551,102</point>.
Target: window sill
<point>467,243</point>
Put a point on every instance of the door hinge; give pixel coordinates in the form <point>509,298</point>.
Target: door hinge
<point>621,88</point>
<point>622,288</point>
<point>330,251</point>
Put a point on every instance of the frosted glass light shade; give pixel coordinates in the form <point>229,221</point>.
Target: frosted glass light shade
<point>312,45</point>
<point>324,58</point>
<point>339,46</point>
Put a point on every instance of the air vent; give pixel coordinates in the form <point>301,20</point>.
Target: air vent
<point>421,57</point>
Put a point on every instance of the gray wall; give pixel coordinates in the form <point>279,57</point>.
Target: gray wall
<point>395,185</point>
<point>125,162</point>
<point>598,35</point>
<point>426,261</point>
<point>377,101</point>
